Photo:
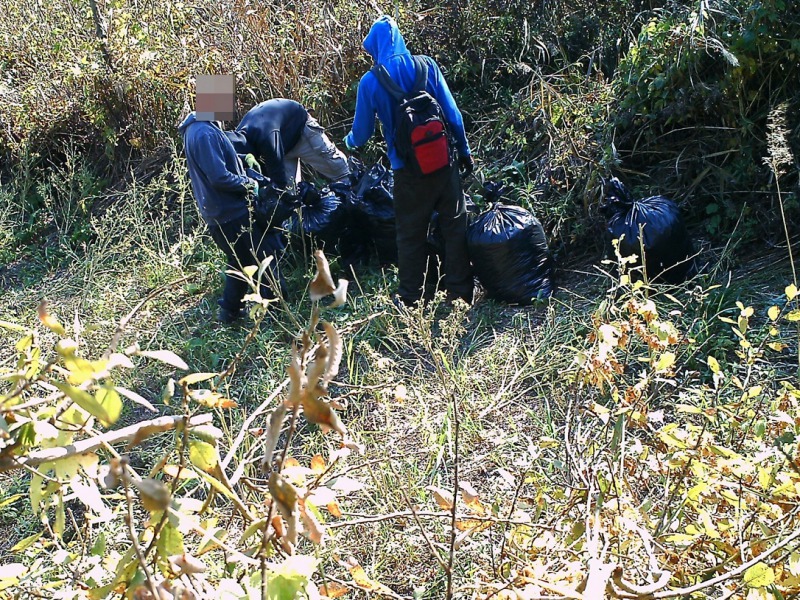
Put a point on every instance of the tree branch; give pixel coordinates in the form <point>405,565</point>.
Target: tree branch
<point>133,434</point>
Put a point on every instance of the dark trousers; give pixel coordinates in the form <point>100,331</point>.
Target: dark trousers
<point>415,199</point>
<point>246,243</point>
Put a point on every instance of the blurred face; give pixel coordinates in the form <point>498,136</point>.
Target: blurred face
<point>215,97</point>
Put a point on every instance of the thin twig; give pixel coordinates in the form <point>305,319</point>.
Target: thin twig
<point>132,533</point>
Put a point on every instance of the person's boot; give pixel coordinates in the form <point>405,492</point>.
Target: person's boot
<point>227,316</point>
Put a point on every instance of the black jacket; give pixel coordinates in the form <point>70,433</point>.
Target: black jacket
<point>268,131</point>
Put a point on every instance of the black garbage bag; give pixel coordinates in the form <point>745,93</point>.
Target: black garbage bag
<point>653,223</point>
<point>372,210</point>
<point>509,253</point>
<point>321,218</point>
<point>273,206</point>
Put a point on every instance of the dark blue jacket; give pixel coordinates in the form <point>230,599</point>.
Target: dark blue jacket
<point>268,131</point>
<point>385,44</point>
<point>218,178</point>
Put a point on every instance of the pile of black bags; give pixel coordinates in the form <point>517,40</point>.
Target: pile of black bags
<point>508,249</point>
<point>372,211</point>
<point>321,219</point>
<point>653,224</point>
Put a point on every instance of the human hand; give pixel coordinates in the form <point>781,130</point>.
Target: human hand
<point>466,164</point>
<point>347,143</point>
<point>251,162</point>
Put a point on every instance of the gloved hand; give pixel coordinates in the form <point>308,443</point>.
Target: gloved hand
<point>347,143</point>
<point>253,188</point>
<point>251,162</point>
<point>466,164</point>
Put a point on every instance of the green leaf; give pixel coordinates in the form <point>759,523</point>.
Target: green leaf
<point>86,401</point>
<point>27,542</point>
<point>759,575</point>
<point>166,356</point>
<point>170,542</point>
<point>289,578</point>
<point>99,546</point>
<point>203,455</point>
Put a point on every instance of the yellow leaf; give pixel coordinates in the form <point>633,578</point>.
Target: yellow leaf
<point>791,292</point>
<point>317,464</point>
<point>196,378</point>
<point>776,346</point>
<point>178,472</point>
<point>49,320</point>
<point>759,575</point>
<point>250,270</point>
<point>794,315</point>
<point>203,455</point>
<point>333,590</point>
<point>665,362</point>
<point>361,579</point>
<point>773,313</point>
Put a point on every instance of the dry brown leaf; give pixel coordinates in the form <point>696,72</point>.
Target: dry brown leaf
<point>333,590</point>
<point>317,369</point>
<point>285,496</point>
<point>274,432</point>
<point>317,464</point>
<point>296,380</point>
<point>291,462</point>
<point>320,412</point>
<point>277,525</point>
<point>443,498</point>
<point>186,563</point>
<point>312,528</point>
<point>154,494</point>
<point>470,498</point>
<point>335,348</point>
<point>322,285</point>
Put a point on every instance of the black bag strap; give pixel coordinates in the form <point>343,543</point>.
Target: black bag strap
<point>389,84</point>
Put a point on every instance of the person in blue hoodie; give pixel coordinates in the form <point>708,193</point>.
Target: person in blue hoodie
<point>222,190</point>
<point>416,197</point>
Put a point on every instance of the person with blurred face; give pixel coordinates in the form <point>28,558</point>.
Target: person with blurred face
<point>223,192</point>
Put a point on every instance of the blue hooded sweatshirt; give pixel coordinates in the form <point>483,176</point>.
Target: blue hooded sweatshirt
<point>385,44</point>
<point>218,177</point>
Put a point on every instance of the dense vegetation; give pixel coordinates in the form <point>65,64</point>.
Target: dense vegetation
<point>622,440</point>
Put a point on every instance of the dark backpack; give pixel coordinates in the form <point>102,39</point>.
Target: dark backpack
<point>420,129</point>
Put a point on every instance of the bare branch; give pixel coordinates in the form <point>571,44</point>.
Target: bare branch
<point>133,434</point>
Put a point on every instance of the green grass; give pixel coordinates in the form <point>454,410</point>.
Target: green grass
<point>504,366</point>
